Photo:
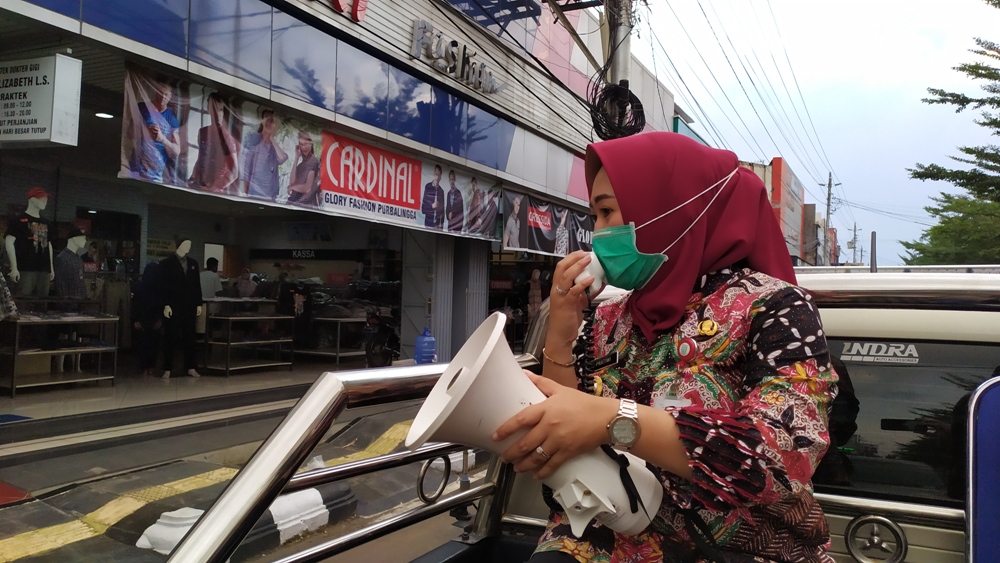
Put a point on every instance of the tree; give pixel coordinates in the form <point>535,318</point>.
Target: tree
<point>967,230</point>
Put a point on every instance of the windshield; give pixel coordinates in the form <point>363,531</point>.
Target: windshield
<point>899,423</point>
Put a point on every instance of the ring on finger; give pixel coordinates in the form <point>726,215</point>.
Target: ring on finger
<point>542,453</point>
<point>561,291</point>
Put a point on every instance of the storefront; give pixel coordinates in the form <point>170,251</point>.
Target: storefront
<point>364,148</point>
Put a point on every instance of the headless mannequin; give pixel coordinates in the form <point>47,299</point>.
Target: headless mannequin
<point>73,245</point>
<point>35,207</point>
<point>183,319</point>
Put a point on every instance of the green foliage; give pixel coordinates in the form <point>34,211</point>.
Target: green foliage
<point>968,229</point>
<point>968,232</point>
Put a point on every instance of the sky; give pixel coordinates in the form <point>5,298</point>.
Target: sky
<point>862,67</point>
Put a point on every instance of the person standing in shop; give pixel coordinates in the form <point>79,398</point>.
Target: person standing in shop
<point>147,317</point>
<point>456,206</point>
<point>211,283</point>
<point>262,155</point>
<point>431,204</point>
<point>158,145</point>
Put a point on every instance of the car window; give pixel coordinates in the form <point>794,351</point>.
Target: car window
<point>898,424</point>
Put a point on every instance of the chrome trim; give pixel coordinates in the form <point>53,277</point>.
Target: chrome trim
<point>432,498</point>
<point>219,531</point>
<point>310,479</point>
<point>223,527</point>
<point>525,521</point>
<point>970,501</point>
<point>875,540</point>
<point>385,527</point>
<point>920,514</point>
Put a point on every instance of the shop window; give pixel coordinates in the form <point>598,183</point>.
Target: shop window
<point>162,24</point>
<point>112,240</point>
<point>362,86</point>
<point>482,137</point>
<point>233,36</point>
<point>69,8</point>
<point>304,62</point>
<point>448,121</point>
<point>409,106</point>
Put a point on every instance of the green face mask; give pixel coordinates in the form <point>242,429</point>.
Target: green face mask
<point>624,266</point>
<point>627,268</point>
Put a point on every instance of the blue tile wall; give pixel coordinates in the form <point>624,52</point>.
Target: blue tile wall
<point>162,24</point>
<point>362,86</point>
<point>233,36</point>
<point>69,8</point>
<point>303,62</point>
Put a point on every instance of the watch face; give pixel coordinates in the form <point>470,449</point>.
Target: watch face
<point>625,431</point>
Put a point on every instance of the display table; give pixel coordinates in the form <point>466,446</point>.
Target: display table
<point>336,352</point>
<point>19,350</point>
<point>261,338</point>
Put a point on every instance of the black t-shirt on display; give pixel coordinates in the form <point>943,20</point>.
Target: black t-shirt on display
<point>31,244</point>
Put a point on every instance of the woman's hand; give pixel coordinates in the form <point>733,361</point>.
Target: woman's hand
<point>567,300</point>
<point>565,425</point>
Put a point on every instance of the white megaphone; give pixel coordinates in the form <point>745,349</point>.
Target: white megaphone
<point>482,388</point>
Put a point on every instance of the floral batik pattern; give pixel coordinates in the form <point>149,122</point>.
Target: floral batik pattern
<point>8,309</point>
<point>750,398</point>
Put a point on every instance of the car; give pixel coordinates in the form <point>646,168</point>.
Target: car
<point>911,348</point>
<point>915,343</point>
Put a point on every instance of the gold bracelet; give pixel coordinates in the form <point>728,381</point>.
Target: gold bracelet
<point>572,361</point>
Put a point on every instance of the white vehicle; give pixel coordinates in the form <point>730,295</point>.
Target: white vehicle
<point>915,343</point>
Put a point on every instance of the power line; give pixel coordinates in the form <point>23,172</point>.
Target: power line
<point>710,129</point>
<point>761,153</point>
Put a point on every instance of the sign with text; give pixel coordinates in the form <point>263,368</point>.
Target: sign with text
<point>535,225</point>
<point>40,101</point>
<point>192,137</point>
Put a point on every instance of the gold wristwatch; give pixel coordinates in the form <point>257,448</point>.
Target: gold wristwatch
<point>624,429</point>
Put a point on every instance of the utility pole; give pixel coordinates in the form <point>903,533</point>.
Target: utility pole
<point>619,14</point>
<point>826,232</point>
<point>855,245</point>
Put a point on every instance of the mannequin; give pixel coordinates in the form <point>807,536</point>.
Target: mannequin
<point>180,289</point>
<point>69,283</point>
<point>29,249</point>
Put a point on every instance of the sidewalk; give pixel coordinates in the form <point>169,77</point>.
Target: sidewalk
<point>132,389</point>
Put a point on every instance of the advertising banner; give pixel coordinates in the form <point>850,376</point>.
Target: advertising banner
<point>191,137</point>
<point>535,225</point>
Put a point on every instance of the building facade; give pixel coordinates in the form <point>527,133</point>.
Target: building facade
<point>353,144</point>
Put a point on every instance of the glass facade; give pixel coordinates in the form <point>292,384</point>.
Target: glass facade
<point>255,42</point>
<point>233,36</point>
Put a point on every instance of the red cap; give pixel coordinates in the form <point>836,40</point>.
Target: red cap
<point>37,192</point>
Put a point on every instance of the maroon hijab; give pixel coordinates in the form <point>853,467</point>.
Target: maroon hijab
<point>653,173</point>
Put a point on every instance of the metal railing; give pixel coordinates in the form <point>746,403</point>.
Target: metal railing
<point>272,469</point>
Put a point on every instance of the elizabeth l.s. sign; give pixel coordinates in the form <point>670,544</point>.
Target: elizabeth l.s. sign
<point>40,101</point>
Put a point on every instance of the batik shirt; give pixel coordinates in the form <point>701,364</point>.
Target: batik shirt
<point>746,374</point>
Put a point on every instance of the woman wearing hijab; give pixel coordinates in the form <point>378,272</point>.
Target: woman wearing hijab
<point>719,374</point>
<point>216,169</point>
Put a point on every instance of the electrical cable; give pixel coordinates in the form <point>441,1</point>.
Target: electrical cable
<point>531,91</point>
<point>710,129</point>
<point>747,94</point>
<point>715,78</point>
<point>615,110</point>
<point>759,155</point>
